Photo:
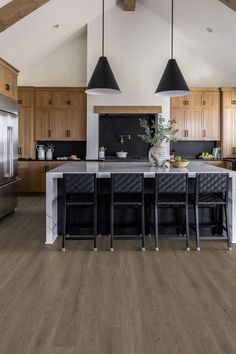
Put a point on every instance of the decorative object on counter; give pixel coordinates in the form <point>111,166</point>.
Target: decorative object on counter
<point>101,152</point>
<point>179,162</point>
<point>124,137</point>
<point>172,82</point>
<point>41,149</point>
<point>49,151</point>
<point>122,154</point>
<point>216,153</point>
<point>156,134</point>
<point>206,156</point>
<point>73,157</point>
<point>103,81</point>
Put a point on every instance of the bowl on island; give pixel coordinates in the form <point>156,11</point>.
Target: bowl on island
<point>122,154</point>
<point>179,164</point>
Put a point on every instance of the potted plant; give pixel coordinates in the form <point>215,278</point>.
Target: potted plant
<point>157,133</point>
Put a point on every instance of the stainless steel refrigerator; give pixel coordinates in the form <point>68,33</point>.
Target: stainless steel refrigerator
<point>8,155</point>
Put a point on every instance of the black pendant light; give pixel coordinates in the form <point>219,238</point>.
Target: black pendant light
<point>103,81</point>
<point>172,82</point>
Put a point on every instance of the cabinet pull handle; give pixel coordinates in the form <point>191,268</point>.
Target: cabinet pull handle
<point>19,150</point>
<point>49,133</point>
<point>68,102</point>
<point>46,168</point>
<point>19,101</point>
<point>187,133</point>
<point>50,102</point>
<point>7,87</point>
<point>68,133</point>
<point>204,103</point>
<point>233,101</point>
<point>204,133</point>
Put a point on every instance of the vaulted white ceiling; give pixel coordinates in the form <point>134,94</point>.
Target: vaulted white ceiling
<point>30,40</point>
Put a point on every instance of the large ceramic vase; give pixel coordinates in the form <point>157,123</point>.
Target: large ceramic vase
<point>158,155</point>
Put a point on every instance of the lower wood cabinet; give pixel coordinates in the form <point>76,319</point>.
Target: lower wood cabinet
<point>32,175</point>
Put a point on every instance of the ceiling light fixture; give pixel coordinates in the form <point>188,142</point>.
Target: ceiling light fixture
<point>102,81</point>
<point>172,82</point>
<point>55,27</point>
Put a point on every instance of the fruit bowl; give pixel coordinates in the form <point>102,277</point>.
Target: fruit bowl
<point>179,164</point>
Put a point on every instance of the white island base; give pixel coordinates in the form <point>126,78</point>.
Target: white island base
<point>104,170</point>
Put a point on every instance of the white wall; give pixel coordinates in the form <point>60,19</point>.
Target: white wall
<point>65,66</point>
<point>137,47</point>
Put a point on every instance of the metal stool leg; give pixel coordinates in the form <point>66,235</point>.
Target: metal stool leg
<point>64,229</point>
<point>227,228</point>
<point>95,227</point>
<point>112,228</point>
<point>156,227</point>
<point>187,227</point>
<point>197,227</point>
<point>143,226</point>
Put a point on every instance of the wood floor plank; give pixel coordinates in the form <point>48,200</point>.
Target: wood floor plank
<point>126,302</point>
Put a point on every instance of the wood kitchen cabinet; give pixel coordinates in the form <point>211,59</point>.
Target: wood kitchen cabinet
<point>60,114</point>
<point>197,115</point>
<point>8,80</point>
<point>26,147</point>
<point>229,121</point>
<point>32,175</point>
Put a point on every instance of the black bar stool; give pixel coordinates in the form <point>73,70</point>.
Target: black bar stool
<point>211,191</point>
<point>80,191</point>
<point>171,191</point>
<point>127,191</point>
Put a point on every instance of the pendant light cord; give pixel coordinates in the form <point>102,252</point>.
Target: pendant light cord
<point>103,28</point>
<point>172,29</point>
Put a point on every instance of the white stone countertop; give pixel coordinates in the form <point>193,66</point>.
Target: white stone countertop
<point>104,169</point>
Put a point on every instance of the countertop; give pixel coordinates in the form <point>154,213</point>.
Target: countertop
<point>104,169</point>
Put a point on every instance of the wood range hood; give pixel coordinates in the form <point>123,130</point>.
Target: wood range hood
<point>127,109</point>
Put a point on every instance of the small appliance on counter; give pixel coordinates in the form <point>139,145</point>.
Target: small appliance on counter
<point>41,149</point>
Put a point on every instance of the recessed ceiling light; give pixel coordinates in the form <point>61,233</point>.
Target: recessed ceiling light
<point>55,27</point>
<point>209,30</point>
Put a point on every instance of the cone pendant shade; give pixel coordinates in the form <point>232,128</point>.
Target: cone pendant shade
<point>172,82</point>
<point>103,81</point>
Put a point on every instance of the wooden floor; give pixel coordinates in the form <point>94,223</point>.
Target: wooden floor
<point>111,303</point>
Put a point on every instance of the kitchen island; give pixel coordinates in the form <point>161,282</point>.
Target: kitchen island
<point>103,170</point>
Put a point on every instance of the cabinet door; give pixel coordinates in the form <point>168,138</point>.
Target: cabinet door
<point>2,80</point>
<point>58,127</point>
<point>77,99</point>
<point>59,99</point>
<point>10,85</point>
<point>26,133</point>
<point>229,131</point>
<point>211,124</point>
<point>211,100</point>
<point>178,102</point>
<point>76,124</point>
<point>25,97</point>
<point>229,99</point>
<point>194,100</point>
<point>179,116</point>
<point>42,130</point>
<point>23,174</point>
<point>194,124</point>
<point>37,177</point>
<point>43,99</point>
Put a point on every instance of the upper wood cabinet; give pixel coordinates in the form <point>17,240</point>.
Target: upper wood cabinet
<point>197,115</point>
<point>60,114</point>
<point>8,80</point>
<point>26,147</point>
<point>229,122</point>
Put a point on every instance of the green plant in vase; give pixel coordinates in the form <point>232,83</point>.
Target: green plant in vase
<point>157,134</point>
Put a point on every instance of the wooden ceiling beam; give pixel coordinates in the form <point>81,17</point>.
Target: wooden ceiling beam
<point>230,3</point>
<point>129,5</point>
<point>15,10</point>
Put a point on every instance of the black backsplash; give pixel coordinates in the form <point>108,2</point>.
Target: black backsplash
<point>67,148</point>
<point>111,126</point>
<point>191,149</point>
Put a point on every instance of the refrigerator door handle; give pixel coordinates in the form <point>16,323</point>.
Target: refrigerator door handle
<point>10,152</point>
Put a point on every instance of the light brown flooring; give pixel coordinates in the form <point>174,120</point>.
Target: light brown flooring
<point>124,302</point>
